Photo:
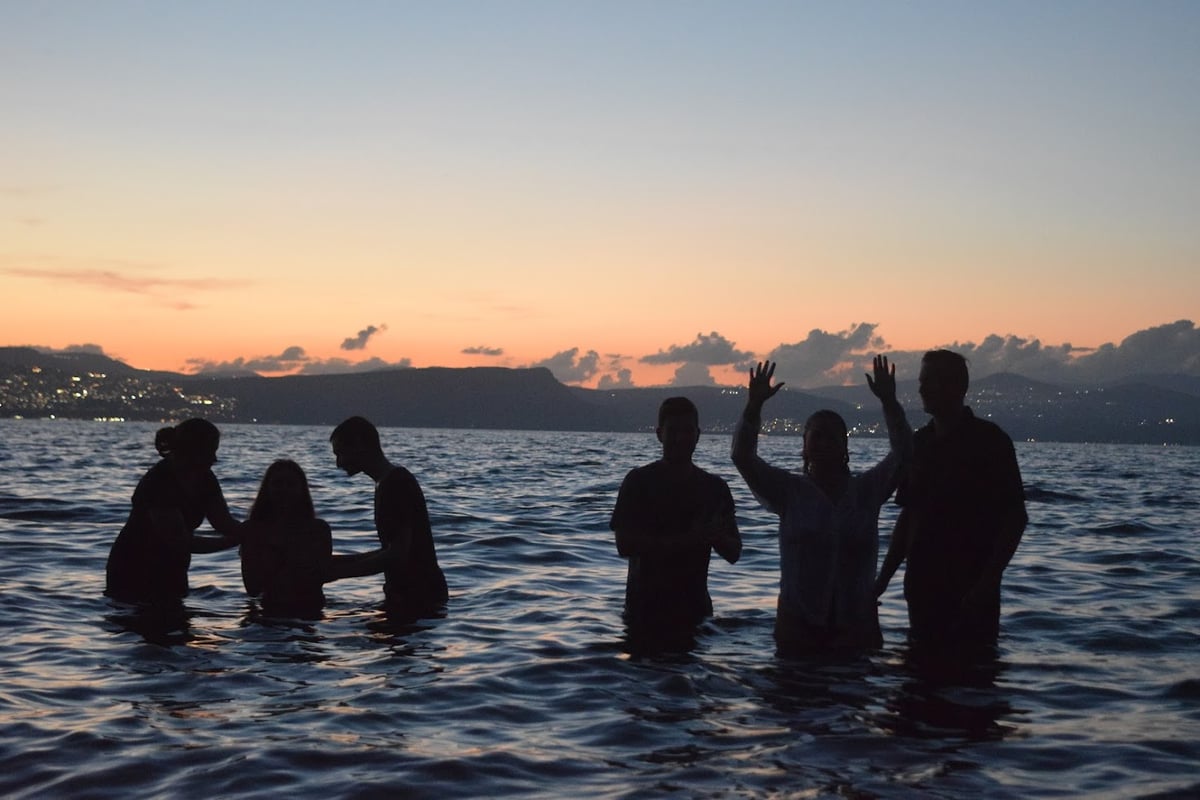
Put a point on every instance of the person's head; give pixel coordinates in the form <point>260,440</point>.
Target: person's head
<point>943,382</point>
<point>283,492</point>
<point>678,429</point>
<point>825,442</point>
<point>355,442</point>
<point>192,443</point>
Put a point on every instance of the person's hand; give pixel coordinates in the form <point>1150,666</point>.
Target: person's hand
<point>761,389</point>
<point>883,385</point>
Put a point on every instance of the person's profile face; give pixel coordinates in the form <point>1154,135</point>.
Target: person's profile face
<point>678,435</point>
<point>347,454</point>
<point>937,392</point>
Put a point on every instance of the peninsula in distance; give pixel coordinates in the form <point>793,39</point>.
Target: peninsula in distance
<point>35,384</point>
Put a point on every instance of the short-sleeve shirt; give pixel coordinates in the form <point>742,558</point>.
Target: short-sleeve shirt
<point>670,589</point>
<point>143,565</point>
<point>959,490</point>
<point>415,583</point>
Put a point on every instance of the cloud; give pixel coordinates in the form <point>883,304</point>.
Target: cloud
<point>1170,348</point>
<point>289,360</point>
<point>337,366</point>
<point>692,374</point>
<point>164,290</point>
<point>825,358</point>
<point>711,350</point>
<point>293,360</point>
<point>359,341</point>
<point>93,349</point>
<point>621,379</point>
<point>570,367</point>
<point>483,350</point>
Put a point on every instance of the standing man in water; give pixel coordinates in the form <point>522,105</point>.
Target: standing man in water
<point>669,517</point>
<point>415,586</point>
<point>962,515</point>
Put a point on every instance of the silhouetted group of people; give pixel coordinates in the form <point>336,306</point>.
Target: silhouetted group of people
<point>286,550</point>
<point>962,515</point>
<point>956,480</point>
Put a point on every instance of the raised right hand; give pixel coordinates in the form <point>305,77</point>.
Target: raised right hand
<point>761,389</point>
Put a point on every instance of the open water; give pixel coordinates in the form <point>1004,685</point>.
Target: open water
<point>525,687</point>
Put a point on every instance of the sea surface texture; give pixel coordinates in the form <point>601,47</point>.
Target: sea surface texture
<point>526,687</point>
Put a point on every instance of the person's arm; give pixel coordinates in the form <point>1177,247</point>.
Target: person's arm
<point>1013,519</point>
<point>399,505</point>
<point>897,552</point>
<point>766,482</point>
<point>884,476</point>
<point>217,513</point>
<point>358,565</point>
<point>722,532</point>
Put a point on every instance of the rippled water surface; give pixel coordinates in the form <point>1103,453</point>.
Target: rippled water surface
<point>525,687</point>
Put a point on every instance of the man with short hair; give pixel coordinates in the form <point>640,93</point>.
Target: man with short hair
<point>669,516</point>
<point>962,515</point>
<point>415,586</point>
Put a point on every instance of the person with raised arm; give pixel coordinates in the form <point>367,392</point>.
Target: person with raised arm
<point>828,518</point>
<point>962,515</point>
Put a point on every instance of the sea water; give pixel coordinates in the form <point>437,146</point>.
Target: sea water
<point>526,688</point>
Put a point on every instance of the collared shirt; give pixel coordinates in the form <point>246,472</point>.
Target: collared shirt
<point>828,551</point>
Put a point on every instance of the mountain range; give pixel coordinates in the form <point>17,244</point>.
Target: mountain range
<point>1154,409</point>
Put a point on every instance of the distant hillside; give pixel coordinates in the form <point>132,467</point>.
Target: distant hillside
<point>90,386</point>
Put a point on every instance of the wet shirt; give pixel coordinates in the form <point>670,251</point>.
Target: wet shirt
<point>668,589</point>
<point>828,551</point>
<point>416,582</point>
<point>958,491</point>
<point>147,564</point>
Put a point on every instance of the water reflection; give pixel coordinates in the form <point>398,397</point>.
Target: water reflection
<point>166,624</point>
<point>947,693</point>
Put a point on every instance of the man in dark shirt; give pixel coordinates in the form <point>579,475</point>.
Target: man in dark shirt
<point>669,516</point>
<point>962,515</point>
<point>415,586</point>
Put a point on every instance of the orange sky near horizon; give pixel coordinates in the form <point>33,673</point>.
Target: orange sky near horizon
<point>531,178</point>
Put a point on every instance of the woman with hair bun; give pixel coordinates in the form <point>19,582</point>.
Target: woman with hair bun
<point>149,560</point>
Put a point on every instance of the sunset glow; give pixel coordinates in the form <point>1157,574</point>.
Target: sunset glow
<point>203,185</point>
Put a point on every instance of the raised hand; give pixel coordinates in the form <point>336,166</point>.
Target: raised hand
<point>761,389</point>
<point>883,385</point>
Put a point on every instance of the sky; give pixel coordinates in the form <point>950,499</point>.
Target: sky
<point>639,193</point>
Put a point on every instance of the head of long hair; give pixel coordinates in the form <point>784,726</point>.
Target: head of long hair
<point>268,507</point>
<point>833,419</point>
<point>190,440</point>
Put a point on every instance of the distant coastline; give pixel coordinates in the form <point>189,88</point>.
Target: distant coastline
<point>1161,409</point>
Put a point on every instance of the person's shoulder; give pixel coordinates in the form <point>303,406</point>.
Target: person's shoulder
<point>710,477</point>
<point>398,476</point>
<point>644,471</point>
<point>985,428</point>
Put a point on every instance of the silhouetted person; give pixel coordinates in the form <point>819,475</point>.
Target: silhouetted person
<point>149,560</point>
<point>669,516</point>
<point>415,586</point>
<point>286,550</point>
<point>828,518</point>
<point>962,515</point>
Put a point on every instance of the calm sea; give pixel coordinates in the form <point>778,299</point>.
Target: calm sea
<point>525,687</point>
